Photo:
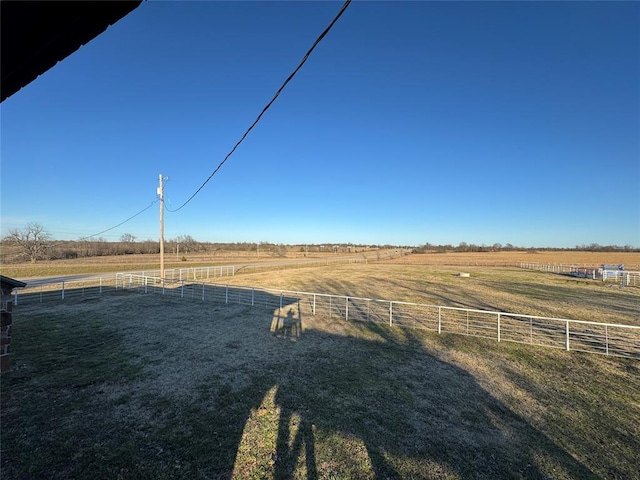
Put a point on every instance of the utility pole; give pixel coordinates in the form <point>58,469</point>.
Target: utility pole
<point>161,195</point>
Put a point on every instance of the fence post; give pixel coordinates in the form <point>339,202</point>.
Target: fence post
<point>606,340</point>
<point>100,285</point>
<point>566,341</point>
<point>281,294</point>
<point>314,304</point>
<point>15,297</point>
<point>62,290</point>
<point>182,290</point>
<point>226,294</point>
<point>439,320</point>
<point>253,296</point>
<point>203,291</point>
<point>498,327</point>
<point>346,309</point>
<point>531,330</point>
<point>391,314</point>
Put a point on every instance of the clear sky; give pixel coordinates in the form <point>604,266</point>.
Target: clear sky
<point>412,122</point>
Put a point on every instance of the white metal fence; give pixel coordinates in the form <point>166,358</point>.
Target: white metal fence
<point>191,273</point>
<point>568,334</point>
<point>592,337</point>
<point>623,278</point>
<point>63,290</point>
<point>207,273</point>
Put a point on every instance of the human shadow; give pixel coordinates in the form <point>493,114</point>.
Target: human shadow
<point>287,326</point>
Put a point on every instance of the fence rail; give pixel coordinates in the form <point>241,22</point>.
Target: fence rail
<point>577,335</point>
<point>624,278</point>
<point>567,334</point>
<point>64,290</point>
<point>191,273</point>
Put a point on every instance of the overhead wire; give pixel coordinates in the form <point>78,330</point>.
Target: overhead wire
<point>289,78</point>
<point>122,223</point>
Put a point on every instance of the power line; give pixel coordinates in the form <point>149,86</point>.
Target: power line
<point>122,223</point>
<point>302,62</point>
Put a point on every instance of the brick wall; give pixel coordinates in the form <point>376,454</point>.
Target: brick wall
<point>5,331</point>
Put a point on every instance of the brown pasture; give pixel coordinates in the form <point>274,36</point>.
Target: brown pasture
<point>631,260</point>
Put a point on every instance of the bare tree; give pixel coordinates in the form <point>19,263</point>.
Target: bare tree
<point>33,240</point>
<point>187,243</point>
<point>127,238</point>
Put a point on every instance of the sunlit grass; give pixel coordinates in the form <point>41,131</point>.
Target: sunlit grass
<point>504,289</point>
<point>146,386</point>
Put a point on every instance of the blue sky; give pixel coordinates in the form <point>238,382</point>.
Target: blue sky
<point>412,122</point>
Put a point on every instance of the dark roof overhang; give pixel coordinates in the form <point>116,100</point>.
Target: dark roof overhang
<point>38,34</point>
<point>11,282</point>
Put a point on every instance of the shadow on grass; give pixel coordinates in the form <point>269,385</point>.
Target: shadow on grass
<point>372,403</point>
<point>360,401</point>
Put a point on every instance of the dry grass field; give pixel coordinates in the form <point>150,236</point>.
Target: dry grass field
<point>631,260</point>
<point>120,263</point>
<point>135,386</point>
<point>137,262</point>
<point>128,385</point>
<point>507,289</point>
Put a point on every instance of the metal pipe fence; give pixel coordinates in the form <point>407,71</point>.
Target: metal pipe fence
<point>63,290</point>
<point>191,273</point>
<point>624,278</point>
<point>567,334</point>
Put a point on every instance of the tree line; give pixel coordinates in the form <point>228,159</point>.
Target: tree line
<point>498,247</point>
<point>34,243</point>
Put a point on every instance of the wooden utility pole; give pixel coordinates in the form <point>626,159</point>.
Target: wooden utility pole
<point>161,195</point>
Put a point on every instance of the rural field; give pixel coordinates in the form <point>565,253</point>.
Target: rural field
<point>631,260</point>
<point>136,262</point>
<point>507,289</point>
<point>128,385</point>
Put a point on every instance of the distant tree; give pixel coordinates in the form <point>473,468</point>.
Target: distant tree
<point>187,243</point>
<point>280,250</point>
<point>102,246</point>
<point>127,238</point>
<point>150,246</point>
<point>34,241</point>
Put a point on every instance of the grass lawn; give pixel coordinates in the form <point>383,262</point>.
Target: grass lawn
<point>144,386</point>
